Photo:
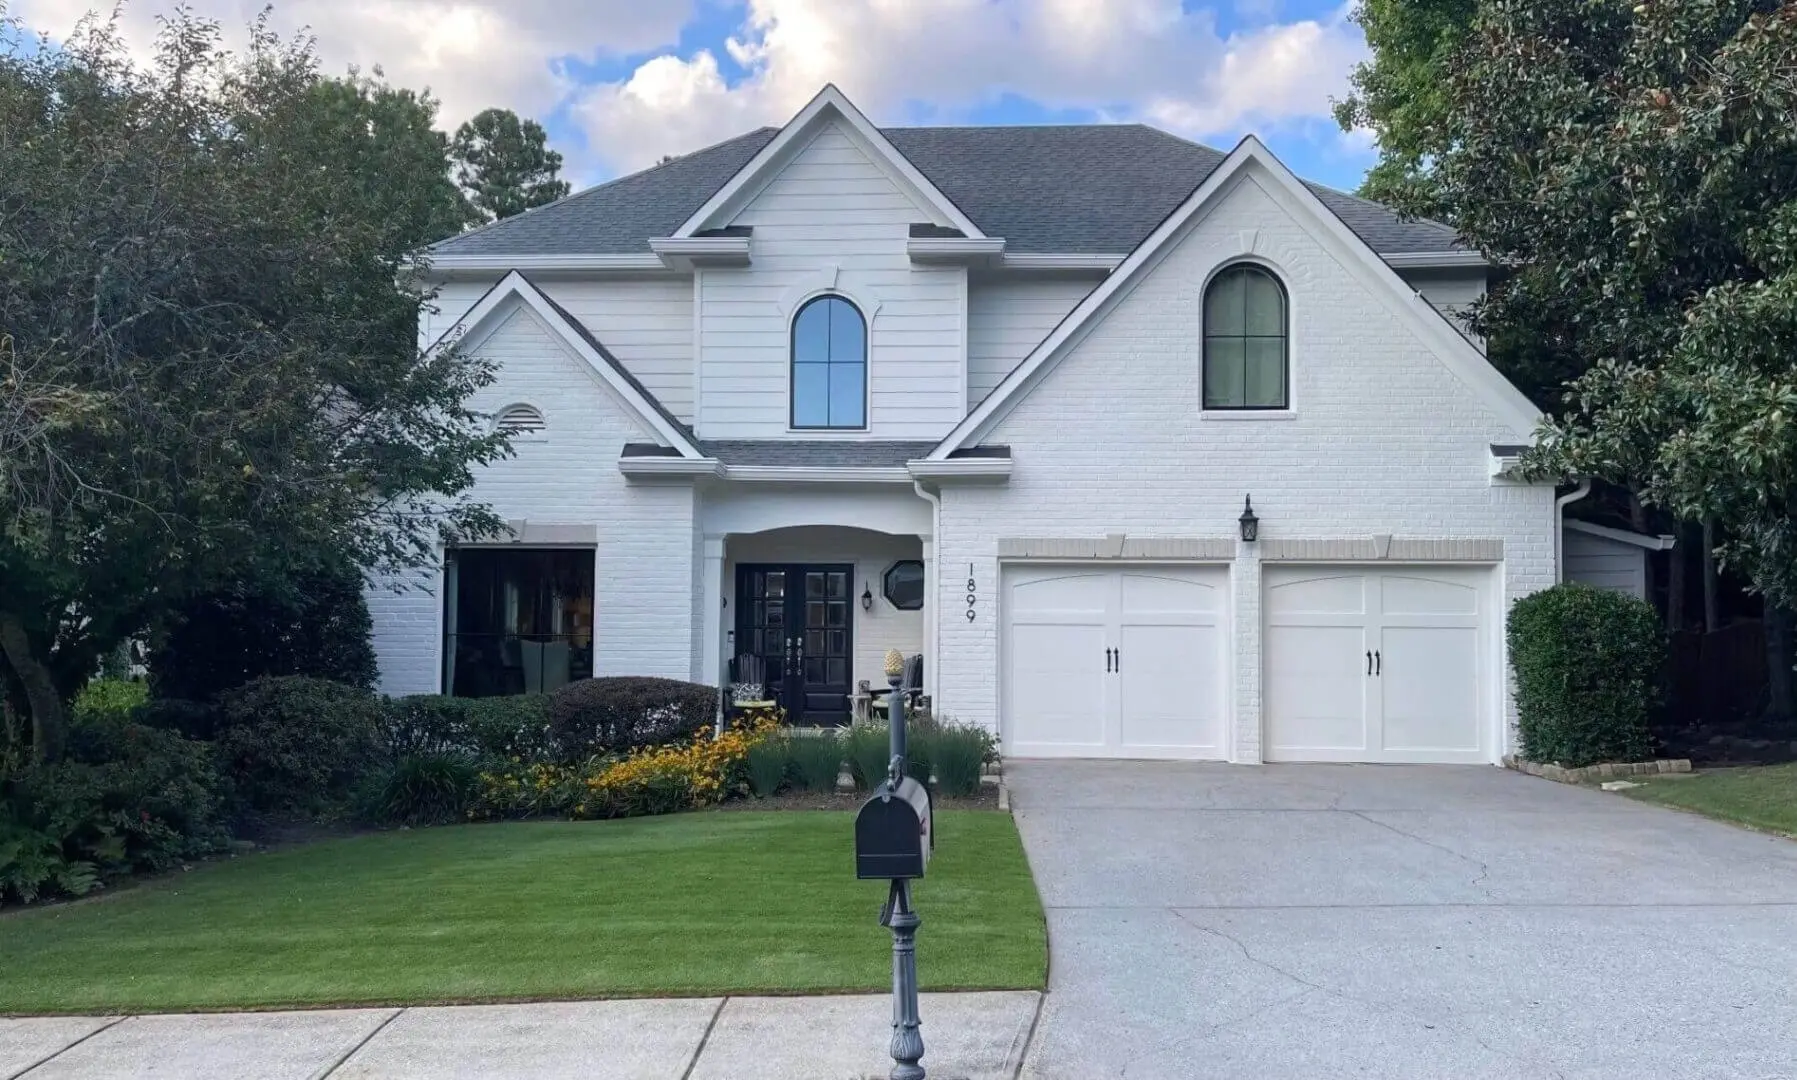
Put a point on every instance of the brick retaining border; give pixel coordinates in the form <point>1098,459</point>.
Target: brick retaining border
<point>1607,771</point>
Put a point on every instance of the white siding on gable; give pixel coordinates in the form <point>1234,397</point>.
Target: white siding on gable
<point>647,323</point>
<point>1606,563</point>
<point>1383,439</point>
<point>832,220</point>
<point>1008,317</point>
<point>1450,292</point>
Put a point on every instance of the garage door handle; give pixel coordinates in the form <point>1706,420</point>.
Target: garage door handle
<point>1117,656</point>
<point>1369,661</point>
<point>1378,663</point>
<point>1107,661</point>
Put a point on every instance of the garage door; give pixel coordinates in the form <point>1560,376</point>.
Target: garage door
<point>1377,666</point>
<point>1114,663</point>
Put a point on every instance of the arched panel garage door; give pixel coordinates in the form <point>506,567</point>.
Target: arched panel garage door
<point>1123,662</point>
<point>1392,665</point>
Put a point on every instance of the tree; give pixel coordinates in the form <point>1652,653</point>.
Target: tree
<point>1634,167</point>
<point>210,306</point>
<point>505,164</point>
<point>1401,93</point>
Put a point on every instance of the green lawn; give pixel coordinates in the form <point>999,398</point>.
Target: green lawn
<point>1762,797</point>
<point>689,904</point>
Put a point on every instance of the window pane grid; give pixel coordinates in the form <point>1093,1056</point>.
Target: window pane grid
<point>1245,340</point>
<point>829,365</point>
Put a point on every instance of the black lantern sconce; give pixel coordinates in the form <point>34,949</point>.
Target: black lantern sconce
<point>1250,523</point>
<point>867,598</point>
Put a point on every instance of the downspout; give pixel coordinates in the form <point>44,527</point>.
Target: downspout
<point>932,586</point>
<point>1560,504</point>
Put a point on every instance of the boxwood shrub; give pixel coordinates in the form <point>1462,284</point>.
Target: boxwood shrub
<point>1588,663</point>
<point>497,727</point>
<point>296,748</point>
<point>622,713</point>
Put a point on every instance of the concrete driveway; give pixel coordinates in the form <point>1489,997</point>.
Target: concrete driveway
<point>1399,921</point>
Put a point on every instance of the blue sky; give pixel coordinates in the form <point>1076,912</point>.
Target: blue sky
<point>619,83</point>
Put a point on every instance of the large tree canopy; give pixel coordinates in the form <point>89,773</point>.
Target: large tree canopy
<point>208,337</point>
<point>505,164</point>
<point>1634,167</point>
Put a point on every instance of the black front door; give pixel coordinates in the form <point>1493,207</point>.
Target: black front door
<point>798,618</point>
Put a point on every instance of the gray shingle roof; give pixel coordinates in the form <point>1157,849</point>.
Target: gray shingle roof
<point>1077,188</point>
<point>804,453</point>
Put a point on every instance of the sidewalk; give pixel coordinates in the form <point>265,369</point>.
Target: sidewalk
<point>969,1037</point>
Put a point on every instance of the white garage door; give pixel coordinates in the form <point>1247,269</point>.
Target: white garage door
<point>1114,663</point>
<point>1387,665</point>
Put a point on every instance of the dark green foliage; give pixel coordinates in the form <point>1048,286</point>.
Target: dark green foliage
<point>868,747</point>
<point>1401,92</point>
<point>194,719</point>
<point>816,761</point>
<point>296,748</point>
<point>109,697</point>
<point>425,789</point>
<point>310,622</point>
<point>957,754</point>
<point>767,764</point>
<point>505,164</point>
<point>125,798</point>
<point>1587,664</point>
<point>622,713</point>
<point>495,727</point>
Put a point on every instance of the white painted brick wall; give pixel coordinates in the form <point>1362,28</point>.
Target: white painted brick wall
<point>644,573</point>
<point>1386,439</point>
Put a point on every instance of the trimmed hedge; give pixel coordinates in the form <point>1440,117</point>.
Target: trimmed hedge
<point>296,748</point>
<point>1588,664</point>
<point>623,713</point>
<point>495,727</point>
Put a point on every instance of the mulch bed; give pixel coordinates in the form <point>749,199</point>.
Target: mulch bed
<point>987,799</point>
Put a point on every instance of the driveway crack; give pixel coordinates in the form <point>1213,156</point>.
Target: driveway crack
<point>1478,881</point>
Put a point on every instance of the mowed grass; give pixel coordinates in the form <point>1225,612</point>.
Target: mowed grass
<point>689,904</point>
<point>1761,797</point>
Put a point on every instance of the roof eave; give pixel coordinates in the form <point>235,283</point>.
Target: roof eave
<point>1435,260</point>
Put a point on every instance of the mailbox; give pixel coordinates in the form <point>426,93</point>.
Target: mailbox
<point>893,832</point>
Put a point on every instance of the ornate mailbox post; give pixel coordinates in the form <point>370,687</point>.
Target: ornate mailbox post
<point>893,840</point>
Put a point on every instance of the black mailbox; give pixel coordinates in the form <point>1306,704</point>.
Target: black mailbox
<point>893,832</point>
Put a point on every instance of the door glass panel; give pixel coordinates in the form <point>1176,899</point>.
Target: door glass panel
<point>775,585</point>
<point>839,671</point>
<point>814,585</point>
<point>814,642</point>
<point>836,585</point>
<point>814,613</point>
<point>838,614</point>
<point>839,642</point>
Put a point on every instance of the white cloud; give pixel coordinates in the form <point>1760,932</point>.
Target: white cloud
<point>471,53</point>
<point>1125,59</point>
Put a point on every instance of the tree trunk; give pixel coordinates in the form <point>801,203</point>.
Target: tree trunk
<point>1712,617</point>
<point>1675,581</point>
<point>49,727</point>
<point>1779,681</point>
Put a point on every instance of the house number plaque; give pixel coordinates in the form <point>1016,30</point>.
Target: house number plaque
<point>972,598</point>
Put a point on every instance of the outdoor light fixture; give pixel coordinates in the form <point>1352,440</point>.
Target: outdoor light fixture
<point>1250,523</point>
<point>867,598</point>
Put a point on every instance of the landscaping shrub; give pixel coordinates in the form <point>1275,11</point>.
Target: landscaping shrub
<point>767,764</point>
<point>869,750</point>
<point>126,798</point>
<point>619,714</point>
<point>193,719</point>
<point>311,622</point>
<point>652,780</point>
<point>957,754</point>
<point>505,727</point>
<point>295,748</point>
<point>433,788</point>
<point>816,761</point>
<point>1587,663</point>
<point>109,697</point>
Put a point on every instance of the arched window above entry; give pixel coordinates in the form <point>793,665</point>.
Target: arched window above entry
<point>520,420</point>
<point>829,365</point>
<point>1246,340</point>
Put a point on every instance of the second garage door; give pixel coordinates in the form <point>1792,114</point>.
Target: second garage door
<point>1114,663</point>
<point>1389,665</point>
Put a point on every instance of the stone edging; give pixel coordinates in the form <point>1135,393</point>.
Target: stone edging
<point>1606,771</point>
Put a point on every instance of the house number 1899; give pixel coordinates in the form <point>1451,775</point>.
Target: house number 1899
<point>972,598</point>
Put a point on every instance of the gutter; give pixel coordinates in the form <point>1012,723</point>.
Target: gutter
<point>1560,505</point>
<point>932,591</point>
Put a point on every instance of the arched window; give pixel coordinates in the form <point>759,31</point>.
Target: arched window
<point>520,420</point>
<point>829,365</point>
<point>1245,340</point>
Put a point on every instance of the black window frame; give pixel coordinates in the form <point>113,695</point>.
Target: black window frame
<point>1284,337</point>
<point>923,584</point>
<point>792,367</point>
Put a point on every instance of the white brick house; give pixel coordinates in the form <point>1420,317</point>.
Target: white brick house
<point>995,396</point>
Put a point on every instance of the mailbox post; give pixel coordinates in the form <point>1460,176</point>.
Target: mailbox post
<point>893,840</point>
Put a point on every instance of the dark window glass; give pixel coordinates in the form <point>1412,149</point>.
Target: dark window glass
<point>1246,339</point>
<point>829,365</point>
<point>517,620</point>
<point>903,585</point>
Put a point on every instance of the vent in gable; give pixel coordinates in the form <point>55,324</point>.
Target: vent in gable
<point>520,420</point>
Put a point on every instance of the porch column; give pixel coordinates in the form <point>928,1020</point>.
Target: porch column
<point>711,603</point>
<point>929,618</point>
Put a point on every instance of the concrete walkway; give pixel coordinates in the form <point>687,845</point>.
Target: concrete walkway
<point>1399,921</point>
<point>974,1036</point>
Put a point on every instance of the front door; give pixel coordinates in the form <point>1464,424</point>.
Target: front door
<point>798,618</point>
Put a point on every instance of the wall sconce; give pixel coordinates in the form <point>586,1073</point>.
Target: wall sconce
<point>1250,523</point>
<point>867,598</point>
